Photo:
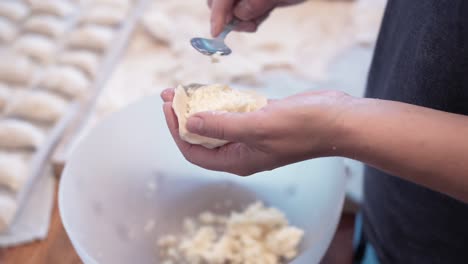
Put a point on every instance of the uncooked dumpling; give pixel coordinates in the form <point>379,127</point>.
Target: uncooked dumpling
<point>17,134</point>
<point>117,3</point>
<point>194,99</point>
<point>13,171</point>
<point>45,24</point>
<point>65,80</point>
<point>8,207</point>
<point>54,7</point>
<point>104,15</point>
<point>38,106</point>
<point>86,61</point>
<point>37,47</point>
<point>16,68</point>
<point>92,37</point>
<point>13,10</point>
<point>7,30</point>
<point>159,25</point>
<point>4,96</point>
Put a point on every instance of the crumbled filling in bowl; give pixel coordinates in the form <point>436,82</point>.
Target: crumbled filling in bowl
<point>257,235</point>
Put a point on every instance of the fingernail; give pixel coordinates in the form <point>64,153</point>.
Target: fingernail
<point>195,125</point>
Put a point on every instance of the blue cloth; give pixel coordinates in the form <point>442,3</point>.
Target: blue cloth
<point>368,255</point>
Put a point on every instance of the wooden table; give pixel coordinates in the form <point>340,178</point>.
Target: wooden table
<point>57,249</point>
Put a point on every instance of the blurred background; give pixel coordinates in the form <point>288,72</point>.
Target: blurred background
<point>131,49</point>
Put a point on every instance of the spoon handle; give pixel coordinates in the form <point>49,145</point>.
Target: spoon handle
<point>227,29</point>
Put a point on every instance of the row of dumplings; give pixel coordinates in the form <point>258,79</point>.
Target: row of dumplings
<point>82,51</point>
<point>25,120</point>
<point>46,16</point>
<point>47,62</point>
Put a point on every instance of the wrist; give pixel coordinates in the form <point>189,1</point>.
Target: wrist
<point>350,126</point>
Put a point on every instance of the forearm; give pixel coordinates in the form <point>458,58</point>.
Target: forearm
<point>418,144</point>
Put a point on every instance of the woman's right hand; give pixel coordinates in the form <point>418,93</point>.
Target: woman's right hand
<point>251,13</point>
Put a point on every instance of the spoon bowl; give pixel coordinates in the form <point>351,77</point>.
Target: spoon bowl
<point>214,46</point>
<point>210,46</point>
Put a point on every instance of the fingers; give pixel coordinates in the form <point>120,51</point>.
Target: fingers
<point>252,26</point>
<point>246,26</point>
<point>195,154</point>
<point>234,158</point>
<point>234,127</point>
<point>167,95</point>
<point>221,159</point>
<point>221,12</point>
<point>171,119</point>
<point>250,10</point>
<point>198,155</point>
<point>251,13</point>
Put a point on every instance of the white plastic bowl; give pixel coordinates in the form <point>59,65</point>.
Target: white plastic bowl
<point>127,174</point>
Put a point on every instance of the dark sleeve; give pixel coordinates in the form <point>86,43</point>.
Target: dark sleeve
<point>463,38</point>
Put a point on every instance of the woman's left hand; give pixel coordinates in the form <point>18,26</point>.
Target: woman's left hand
<point>286,131</point>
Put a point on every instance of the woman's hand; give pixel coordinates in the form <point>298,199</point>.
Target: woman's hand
<point>285,131</point>
<point>251,13</point>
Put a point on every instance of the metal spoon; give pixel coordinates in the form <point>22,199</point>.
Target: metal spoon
<point>216,45</point>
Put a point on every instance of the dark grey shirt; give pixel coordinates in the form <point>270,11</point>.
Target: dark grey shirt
<point>421,58</point>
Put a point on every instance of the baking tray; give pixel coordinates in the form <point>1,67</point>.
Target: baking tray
<point>110,61</point>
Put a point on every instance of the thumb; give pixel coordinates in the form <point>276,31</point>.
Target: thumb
<point>252,9</point>
<point>234,127</point>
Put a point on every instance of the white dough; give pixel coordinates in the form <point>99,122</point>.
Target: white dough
<point>117,3</point>
<point>159,25</point>
<point>13,10</point>
<point>55,7</point>
<point>66,80</point>
<point>7,30</point>
<point>45,24</point>
<point>8,207</point>
<point>16,68</point>
<point>4,96</point>
<point>37,47</point>
<point>13,171</point>
<point>86,61</point>
<point>216,97</point>
<point>105,15</point>
<point>38,106</point>
<point>92,37</point>
<point>17,134</point>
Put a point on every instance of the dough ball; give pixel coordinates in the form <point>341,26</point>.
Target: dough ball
<point>48,25</point>
<point>16,68</point>
<point>54,7</point>
<point>38,106</point>
<point>92,37</point>
<point>86,61</point>
<point>13,171</point>
<point>17,134</point>
<point>105,15</point>
<point>13,10</point>
<point>37,47</point>
<point>195,99</point>
<point>8,208</point>
<point>66,80</point>
<point>7,30</point>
